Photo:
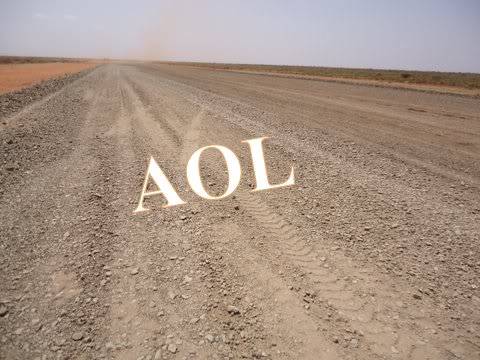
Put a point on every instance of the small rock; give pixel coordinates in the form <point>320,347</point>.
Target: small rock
<point>233,310</point>
<point>3,310</point>
<point>417,296</point>
<point>172,348</point>
<point>11,167</point>
<point>77,336</point>
<point>210,338</point>
<point>59,341</point>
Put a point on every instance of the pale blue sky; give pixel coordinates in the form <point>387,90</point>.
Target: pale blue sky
<point>405,34</point>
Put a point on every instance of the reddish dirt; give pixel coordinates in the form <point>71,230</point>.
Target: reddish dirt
<point>17,76</point>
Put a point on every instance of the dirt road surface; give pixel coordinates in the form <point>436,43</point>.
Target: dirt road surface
<point>373,254</point>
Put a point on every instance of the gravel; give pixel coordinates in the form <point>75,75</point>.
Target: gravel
<point>12,102</point>
<point>384,210</point>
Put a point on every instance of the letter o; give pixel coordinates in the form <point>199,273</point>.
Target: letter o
<point>233,168</point>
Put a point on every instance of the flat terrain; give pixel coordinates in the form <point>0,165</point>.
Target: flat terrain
<point>373,254</point>
<point>429,81</point>
<point>16,76</point>
<point>6,59</point>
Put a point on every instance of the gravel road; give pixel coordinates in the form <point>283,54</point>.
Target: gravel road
<point>372,254</point>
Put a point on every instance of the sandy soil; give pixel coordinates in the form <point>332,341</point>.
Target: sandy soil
<point>17,76</point>
<point>373,254</point>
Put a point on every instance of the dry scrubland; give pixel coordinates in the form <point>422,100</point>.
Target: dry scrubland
<point>37,59</point>
<point>464,83</point>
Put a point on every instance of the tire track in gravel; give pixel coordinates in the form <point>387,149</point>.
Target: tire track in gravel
<point>330,286</point>
<point>41,122</point>
<point>336,111</point>
<point>389,192</point>
<point>211,274</point>
<point>246,115</point>
<point>214,270</point>
<point>291,331</point>
<point>405,335</point>
<point>127,327</point>
<point>288,310</point>
<point>207,279</point>
<point>64,289</point>
<point>145,317</point>
<point>305,340</point>
<point>401,335</point>
<point>371,321</point>
<point>174,286</point>
<point>284,236</point>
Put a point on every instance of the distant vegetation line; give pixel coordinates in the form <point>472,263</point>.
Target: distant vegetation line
<point>464,80</point>
<point>6,59</point>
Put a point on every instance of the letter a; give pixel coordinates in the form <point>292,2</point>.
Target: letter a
<point>163,184</point>
<point>259,167</point>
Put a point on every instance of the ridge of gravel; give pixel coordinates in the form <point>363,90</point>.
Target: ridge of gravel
<point>12,102</point>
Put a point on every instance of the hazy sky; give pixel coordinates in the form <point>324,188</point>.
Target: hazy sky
<point>405,34</point>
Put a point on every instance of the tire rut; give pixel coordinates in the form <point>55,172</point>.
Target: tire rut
<point>384,336</point>
<point>192,135</point>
